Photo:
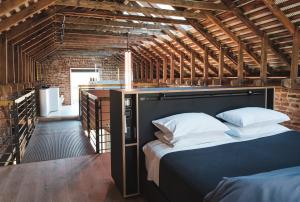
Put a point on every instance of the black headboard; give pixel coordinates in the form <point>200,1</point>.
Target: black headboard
<point>153,106</point>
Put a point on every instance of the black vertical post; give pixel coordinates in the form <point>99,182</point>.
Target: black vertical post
<point>26,104</point>
<point>101,122</point>
<point>33,105</point>
<point>88,114</point>
<point>80,103</point>
<point>16,143</point>
<point>97,125</point>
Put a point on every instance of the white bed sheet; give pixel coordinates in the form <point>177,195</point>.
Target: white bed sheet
<point>155,150</point>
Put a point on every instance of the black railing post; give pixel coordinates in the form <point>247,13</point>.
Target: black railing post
<point>88,115</point>
<point>97,125</point>
<point>26,117</point>
<point>34,111</point>
<point>16,141</point>
<point>101,122</point>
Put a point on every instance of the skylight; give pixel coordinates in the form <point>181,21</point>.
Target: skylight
<point>177,18</point>
<point>165,6</point>
<point>186,27</point>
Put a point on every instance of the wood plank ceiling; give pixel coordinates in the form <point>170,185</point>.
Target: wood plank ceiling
<point>212,38</point>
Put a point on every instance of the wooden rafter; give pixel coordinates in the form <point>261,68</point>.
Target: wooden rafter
<point>27,12</point>
<point>250,25</point>
<point>206,65</point>
<point>132,37</point>
<point>221,64</point>
<point>196,25</point>
<point>7,6</point>
<point>181,69</point>
<point>32,23</point>
<point>173,48</point>
<point>231,35</point>
<point>191,4</point>
<point>240,67</point>
<point>111,29</point>
<point>202,47</point>
<point>188,49</point>
<point>280,16</point>
<point>110,23</point>
<point>111,6</point>
<point>295,57</point>
<point>167,52</point>
<point>264,55</point>
<point>110,15</point>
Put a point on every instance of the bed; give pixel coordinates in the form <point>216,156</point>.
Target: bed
<point>190,173</point>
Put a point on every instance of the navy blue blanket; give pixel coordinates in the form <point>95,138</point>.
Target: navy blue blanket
<point>191,175</point>
<point>274,186</point>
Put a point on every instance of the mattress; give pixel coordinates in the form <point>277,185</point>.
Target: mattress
<point>190,174</point>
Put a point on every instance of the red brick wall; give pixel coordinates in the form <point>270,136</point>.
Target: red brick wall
<point>58,70</point>
<point>288,101</point>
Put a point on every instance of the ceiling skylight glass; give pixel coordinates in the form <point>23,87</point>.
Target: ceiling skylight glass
<point>165,6</point>
<point>177,18</point>
<point>186,27</point>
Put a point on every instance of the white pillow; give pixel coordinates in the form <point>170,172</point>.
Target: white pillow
<point>255,131</point>
<point>253,116</point>
<point>186,123</point>
<point>194,138</point>
<point>164,138</point>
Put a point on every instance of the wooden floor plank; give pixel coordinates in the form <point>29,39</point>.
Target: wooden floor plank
<point>77,179</point>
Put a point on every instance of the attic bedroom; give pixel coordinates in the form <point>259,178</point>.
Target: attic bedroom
<point>153,100</point>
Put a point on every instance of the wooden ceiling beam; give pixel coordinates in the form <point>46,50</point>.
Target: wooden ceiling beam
<point>27,12</point>
<point>107,34</point>
<point>50,52</point>
<point>250,25</point>
<point>154,54</point>
<point>231,35</point>
<point>202,47</point>
<point>43,37</point>
<point>200,29</point>
<point>141,53</point>
<point>170,54</point>
<point>102,14</point>
<point>102,28</point>
<point>40,47</point>
<point>264,59</point>
<point>295,58</point>
<point>111,23</point>
<point>45,51</point>
<point>31,24</point>
<point>104,53</point>
<point>189,49</point>
<point>186,57</point>
<point>75,45</point>
<point>280,16</point>
<point>112,6</point>
<point>200,5</point>
<point>146,53</point>
<point>7,6</point>
<point>31,32</point>
<point>22,39</point>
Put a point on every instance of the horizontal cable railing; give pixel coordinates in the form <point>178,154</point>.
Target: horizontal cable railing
<point>95,118</point>
<point>17,123</point>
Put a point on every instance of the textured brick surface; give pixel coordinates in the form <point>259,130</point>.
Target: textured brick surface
<point>58,71</point>
<point>288,101</point>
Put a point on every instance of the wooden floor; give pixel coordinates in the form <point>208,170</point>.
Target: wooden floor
<point>55,140</point>
<point>82,179</point>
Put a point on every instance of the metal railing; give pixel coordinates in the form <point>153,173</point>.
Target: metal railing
<point>17,124</point>
<point>95,119</point>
